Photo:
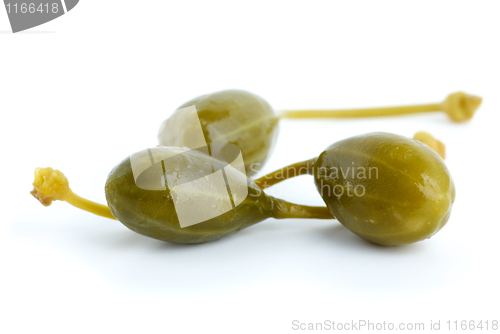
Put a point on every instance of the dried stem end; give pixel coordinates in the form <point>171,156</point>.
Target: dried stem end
<point>50,185</point>
<point>432,142</point>
<point>461,106</point>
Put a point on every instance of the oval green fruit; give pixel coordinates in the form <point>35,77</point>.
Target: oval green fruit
<point>229,116</point>
<point>386,188</point>
<point>145,204</point>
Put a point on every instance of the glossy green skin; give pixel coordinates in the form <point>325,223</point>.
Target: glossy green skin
<point>152,213</point>
<point>236,117</point>
<point>409,201</point>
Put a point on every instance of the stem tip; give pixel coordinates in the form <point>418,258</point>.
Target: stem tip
<point>432,142</point>
<point>50,185</point>
<point>461,106</point>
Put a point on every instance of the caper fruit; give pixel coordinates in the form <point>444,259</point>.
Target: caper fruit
<point>153,212</point>
<point>386,188</point>
<point>229,116</point>
<point>248,121</point>
<point>178,195</point>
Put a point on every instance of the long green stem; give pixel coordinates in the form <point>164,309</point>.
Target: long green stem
<point>293,170</point>
<point>356,113</point>
<point>459,106</point>
<point>283,209</point>
<point>89,206</point>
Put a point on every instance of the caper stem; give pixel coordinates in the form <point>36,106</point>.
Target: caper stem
<point>458,106</point>
<point>52,185</point>
<point>369,112</point>
<point>283,210</point>
<point>296,169</point>
<point>89,206</point>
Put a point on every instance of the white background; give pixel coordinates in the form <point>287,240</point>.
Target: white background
<point>85,91</point>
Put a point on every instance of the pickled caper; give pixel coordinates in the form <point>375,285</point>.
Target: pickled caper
<point>386,188</point>
<point>248,121</point>
<point>152,201</point>
<point>229,116</point>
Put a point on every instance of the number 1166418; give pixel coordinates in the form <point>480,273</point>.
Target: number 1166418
<point>31,8</point>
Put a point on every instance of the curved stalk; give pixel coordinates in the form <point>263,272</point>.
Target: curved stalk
<point>293,170</point>
<point>283,209</point>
